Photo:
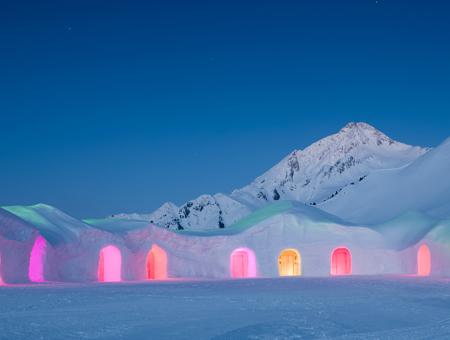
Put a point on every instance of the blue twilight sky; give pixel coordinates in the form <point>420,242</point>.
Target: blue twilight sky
<point>119,106</point>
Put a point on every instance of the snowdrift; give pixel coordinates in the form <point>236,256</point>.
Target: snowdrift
<point>41,243</point>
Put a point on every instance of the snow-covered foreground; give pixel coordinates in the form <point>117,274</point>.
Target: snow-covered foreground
<point>351,307</point>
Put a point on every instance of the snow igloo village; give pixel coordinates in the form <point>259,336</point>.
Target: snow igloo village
<point>353,203</point>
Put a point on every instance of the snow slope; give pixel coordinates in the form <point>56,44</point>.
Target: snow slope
<point>309,176</point>
<point>422,186</point>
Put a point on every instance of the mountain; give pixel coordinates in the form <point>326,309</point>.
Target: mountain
<point>313,176</point>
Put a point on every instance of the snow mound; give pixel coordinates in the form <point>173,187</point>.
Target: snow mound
<point>13,228</point>
<point>54,225</point>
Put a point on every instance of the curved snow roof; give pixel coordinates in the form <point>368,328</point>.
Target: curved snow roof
<point>406,230</point>
<point>271,211</point>
<point>118,225</point>
<point>403,231</point>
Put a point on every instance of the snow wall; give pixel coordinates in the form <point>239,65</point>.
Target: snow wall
<point>41,243</point>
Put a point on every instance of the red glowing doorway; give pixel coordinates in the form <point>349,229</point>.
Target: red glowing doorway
<point>157,264</point>
<point>341,262</point>
<point>423,261</point>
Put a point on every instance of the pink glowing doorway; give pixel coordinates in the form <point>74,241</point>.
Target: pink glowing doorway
<point>1,280</point>
<point>243,263</point>
<point>157,264</point>
<point>341,262</point>
<point>110,264</point>
<point>423,261</point>
<point>37,259</point>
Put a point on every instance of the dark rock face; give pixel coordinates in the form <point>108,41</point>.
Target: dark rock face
<point>276,195</point>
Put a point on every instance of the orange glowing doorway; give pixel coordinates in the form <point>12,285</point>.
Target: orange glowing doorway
<point>157,264</point>
<point>423,261</point>
<point>289,263</point>
<point>341,262</point>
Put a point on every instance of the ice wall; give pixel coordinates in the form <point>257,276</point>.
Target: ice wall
<point>147,251</point>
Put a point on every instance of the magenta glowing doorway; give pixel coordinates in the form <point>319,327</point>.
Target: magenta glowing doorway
<point>110,264</point>
<point>37,259</point>
<point>341,262</point>
<point>1,280</point>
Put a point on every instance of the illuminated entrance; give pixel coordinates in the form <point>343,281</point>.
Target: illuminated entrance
<point>341,262</point>
<point>423,261</point>
<point>37,259</point>
<point>289,263</point>
<point>1,281</point>
<point>243,263</point>
<point>157,264</point>
<point>110,264</point>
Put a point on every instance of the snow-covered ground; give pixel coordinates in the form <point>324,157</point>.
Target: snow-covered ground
<point>353,307</point>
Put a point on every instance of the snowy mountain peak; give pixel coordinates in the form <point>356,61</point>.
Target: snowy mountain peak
<point>312,176</point>
<point>366,133</point>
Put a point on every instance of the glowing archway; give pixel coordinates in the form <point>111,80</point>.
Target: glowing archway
<point>341,262</point>
<point>37,258</point>
<point>243,263</point>
<point>157,264</point>
<point>423,261</point>
<point>110,264</point>
<point>1,280</point>
<point>289,263</point>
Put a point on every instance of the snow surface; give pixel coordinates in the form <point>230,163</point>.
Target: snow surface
<point>313,175</point>
<point>355,307</point>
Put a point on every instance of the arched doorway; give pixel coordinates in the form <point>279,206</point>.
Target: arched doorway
<point>157,264</point>
<point>423,261</point>
<point>1,280</point>
<point>243,263</point>
<point>37,259</point>
<point>289,263</point>
<point>110,264</point>
<point>341,262</point>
